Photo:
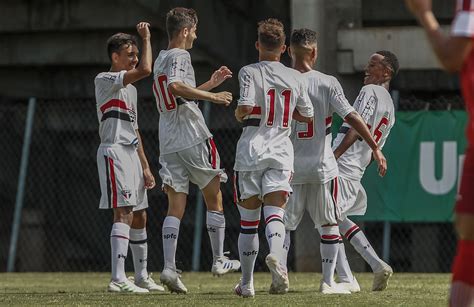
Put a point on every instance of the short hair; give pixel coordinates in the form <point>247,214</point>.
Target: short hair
<point>179,18</point>
<point>390,59</point>
<point>271,33</point>
<point>303,37</point>
<point>116,42</point>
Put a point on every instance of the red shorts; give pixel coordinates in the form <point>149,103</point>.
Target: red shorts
<point>465,199</point>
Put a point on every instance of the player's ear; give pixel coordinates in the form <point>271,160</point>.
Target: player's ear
<point>283,49</point>
<point>257,45</point>
<point>185,32</point>
<point>115,56</point>
<point>289,52</point>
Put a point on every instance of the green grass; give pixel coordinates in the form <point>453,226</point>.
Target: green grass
<point>204,290</point>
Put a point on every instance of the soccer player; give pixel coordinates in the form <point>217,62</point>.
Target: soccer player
<point>187,150</point>
<point>375,105</point>
<point>455,53</point>
<point>269,94</point>
<point>123,168</point>
<point>315,180</point>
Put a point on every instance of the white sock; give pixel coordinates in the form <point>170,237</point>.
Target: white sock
<point>329,248</point>
<point>275,229</point>
<point>248,242</point>
<point>342,265</point>
<point>286,248</point>
<point>170,241</point>
<point>358,239</point>
<point>139,247</point>
<point>119,246</point>
<point>216,229</point>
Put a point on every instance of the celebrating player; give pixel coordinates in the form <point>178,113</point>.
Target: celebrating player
<point>187,149</point>
<point>375,105</point>
<point>314,185</point>
<point>455,53</point>
<point>124,172</point>
<point>269,93</point>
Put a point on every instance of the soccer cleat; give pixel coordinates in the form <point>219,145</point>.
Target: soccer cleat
<point>125,286</point>
<point>223,265</point>
<point>148,283</point>
<point>171,279</point>
<point>381,277</point>
<point>244,290</point>
<point>280,283</point>
<point>353,286</point>
<point>324,288</point>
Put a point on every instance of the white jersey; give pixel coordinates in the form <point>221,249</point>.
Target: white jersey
<point>274,91</point>
<point>182,124</point>
<point>314,158</point>
<point>375,106</point>
<point>116,109</point>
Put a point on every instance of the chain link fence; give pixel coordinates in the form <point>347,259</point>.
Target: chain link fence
<point>62,228</point>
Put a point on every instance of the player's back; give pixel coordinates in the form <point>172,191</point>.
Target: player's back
<point>181,123</point>
<point>375,105</point>
<point>274,90</point>
<point>314,158</point>
<point>116,109</point>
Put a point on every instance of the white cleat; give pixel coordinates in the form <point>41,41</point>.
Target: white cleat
<point>327,289</point>
<point>381,277</point>
<point>244,291</point>
<point>280,283</point>
<point>148,284</point>
<point>125,286</point>
<point>223,265</point>
<point>353,286</point>
<point>171,279</point>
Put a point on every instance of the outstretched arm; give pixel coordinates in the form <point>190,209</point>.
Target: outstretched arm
<point>219,76</point>
<point>180,89</point>
<point>450,50</point>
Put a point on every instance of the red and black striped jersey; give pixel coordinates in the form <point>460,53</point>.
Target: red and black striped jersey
<point>116,109</point>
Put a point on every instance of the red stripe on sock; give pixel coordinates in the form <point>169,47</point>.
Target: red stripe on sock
<point>121,237</point>
<point>249,223</point>
<point>271,217</point>
<point>330,237</point>
<point>351,230</point>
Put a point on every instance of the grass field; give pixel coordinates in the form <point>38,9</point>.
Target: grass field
<point>205,290</point>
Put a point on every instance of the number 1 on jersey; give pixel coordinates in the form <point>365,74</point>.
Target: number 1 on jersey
<point>164,95</point>
<point>286,94</point>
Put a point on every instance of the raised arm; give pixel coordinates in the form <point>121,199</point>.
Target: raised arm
<point>180,89</point>
<point>144,67</point>
<point>219,76</point>
<point>450,50</point>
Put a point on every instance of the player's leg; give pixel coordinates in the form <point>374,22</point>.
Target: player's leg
<point>382,271</point>
<point>462,284</point>
<point>346,279</point>
<point>294,212</point>
<point>113,164</point>
<point>176,186</point>
<point>247,193</point>
<point>326,215</point>
<point>203,164</point>
<point>276,188</point>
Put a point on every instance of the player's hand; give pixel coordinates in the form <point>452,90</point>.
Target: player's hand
<point>143,29</point>
<point>418,7</point>
<point>381,162</point>
<point>149,179</point>
<point>224,98</point>
<point>220,76</point>
<point>239,117</point>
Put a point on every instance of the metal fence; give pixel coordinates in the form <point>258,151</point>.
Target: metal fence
<point>62,228</point>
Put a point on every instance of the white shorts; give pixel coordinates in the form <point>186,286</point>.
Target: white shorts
<point>198,164</point>
<point>261,182</point>
<point>319,199</point>
<point>121,177</point>
<point>352,198</point>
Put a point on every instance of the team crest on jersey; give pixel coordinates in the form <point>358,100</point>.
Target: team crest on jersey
<point>127,194</point>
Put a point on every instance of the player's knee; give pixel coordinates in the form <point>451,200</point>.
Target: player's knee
<point>139,219</point>
<point>123,215</point>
